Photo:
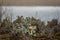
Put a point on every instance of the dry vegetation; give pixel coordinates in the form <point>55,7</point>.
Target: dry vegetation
<point>29,28</point>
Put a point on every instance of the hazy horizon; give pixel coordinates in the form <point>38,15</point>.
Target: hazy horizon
<point>40,12</point>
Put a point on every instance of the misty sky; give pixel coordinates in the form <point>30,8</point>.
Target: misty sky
<point>45,13</point>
